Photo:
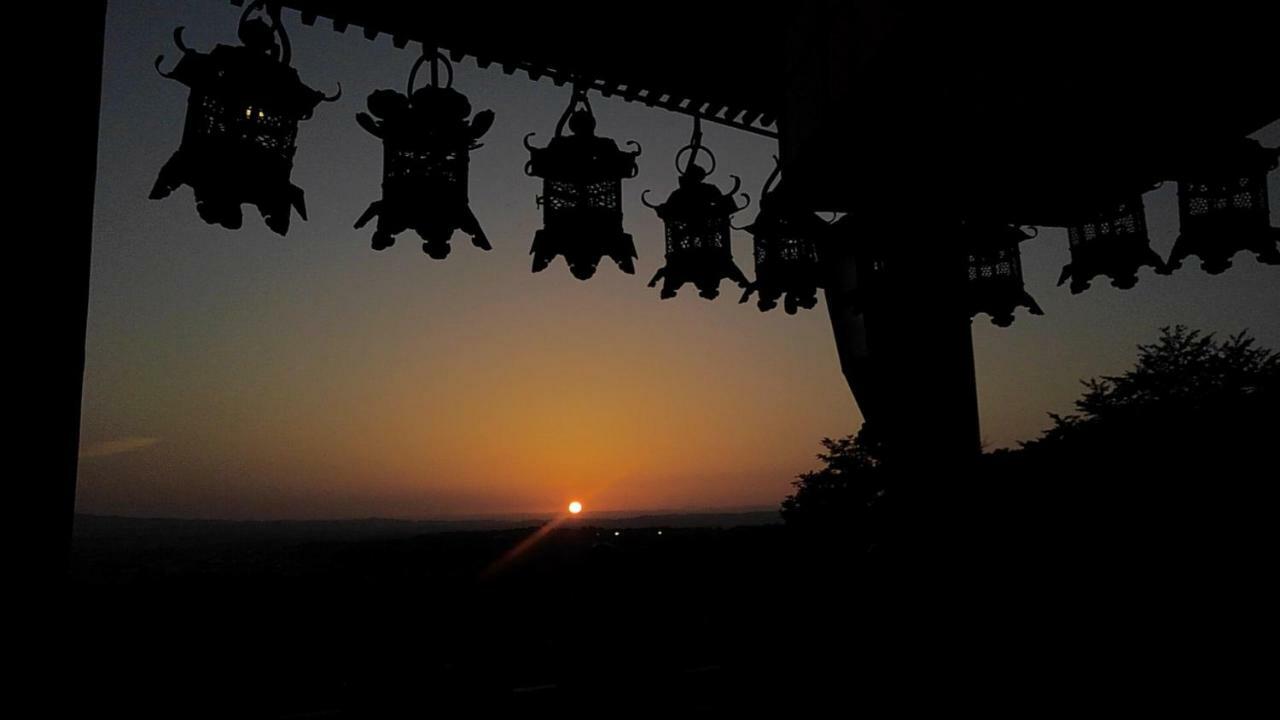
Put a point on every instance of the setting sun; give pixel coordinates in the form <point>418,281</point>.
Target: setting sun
<point>575,507</point>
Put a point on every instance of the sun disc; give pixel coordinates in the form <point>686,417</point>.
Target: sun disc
<point>575,507</point>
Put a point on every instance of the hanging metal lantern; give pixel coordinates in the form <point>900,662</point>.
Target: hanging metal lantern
<point>995,271</point>
<point>696,217</point>
<point>242,125</point>
<point>786,251</point>
<point>1222,206</point>
<point>427,141</point>
<point>1110,241</point>
<point>581,197</point>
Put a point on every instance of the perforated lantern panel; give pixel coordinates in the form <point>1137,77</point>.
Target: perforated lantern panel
<point>1113,242</point>
<point>1223,213</point>
<point>786,265</point>
<point>1127,221</point>
<point>434,170</point>
<point>1234,200</point>
<point>604,195</point>
<point>241,126</point>
<point>995,283</point>
<point>559,196</point>
<point>785,251</point>
<point>1003,265</point>
<point>705,234</point>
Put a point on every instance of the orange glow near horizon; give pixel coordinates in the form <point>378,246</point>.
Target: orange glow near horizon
<point>244,376</point>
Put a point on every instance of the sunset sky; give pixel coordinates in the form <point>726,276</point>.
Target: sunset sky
<point>245,375</point>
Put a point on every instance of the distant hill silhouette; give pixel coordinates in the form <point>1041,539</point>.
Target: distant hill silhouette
<point>114,526</point>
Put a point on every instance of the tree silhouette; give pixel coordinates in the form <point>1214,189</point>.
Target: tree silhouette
<point>848,493</point>
<point>1184,372</point>
<point>1165,460</point>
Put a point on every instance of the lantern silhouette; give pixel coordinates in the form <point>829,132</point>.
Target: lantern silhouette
<point>785,239</point>
<point>1112,241</point>
<point>427,141</point>
<point>696,220</point>
<point>581,199</point>
<point>995,271</point>
<point>241,128</point>
<point>1222,206</point>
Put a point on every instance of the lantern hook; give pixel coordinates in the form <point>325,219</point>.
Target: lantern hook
<point>334,97</point>
<point>284,53</point>
<point>693,148</point>
<point>645,200</point>
<point>579,97</point>
<point>436,58</point>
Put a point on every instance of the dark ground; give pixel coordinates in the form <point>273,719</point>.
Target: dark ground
<point>281,623</point>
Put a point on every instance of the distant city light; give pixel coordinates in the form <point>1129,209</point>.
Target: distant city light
<point>575,507</point>
<point>659,532</point>
<point>615,532</point>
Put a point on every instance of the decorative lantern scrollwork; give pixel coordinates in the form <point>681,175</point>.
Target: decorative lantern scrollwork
<point>426,154</point>
<point>696,217</point>
<point>241,128</point>
<point>995,271</point>
<point>1222,206</point>
<point>581,197</point>
<point>1112,240</point>
<point>786,251</point>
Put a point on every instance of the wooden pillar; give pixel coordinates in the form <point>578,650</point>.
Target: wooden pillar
<point>65,96</point>
<point>897,303</point>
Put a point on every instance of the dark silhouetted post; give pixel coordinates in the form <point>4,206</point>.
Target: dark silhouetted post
<point>71,97</point>
<point>901,323</point>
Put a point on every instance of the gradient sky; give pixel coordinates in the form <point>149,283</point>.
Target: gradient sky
<point>244,375</point>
